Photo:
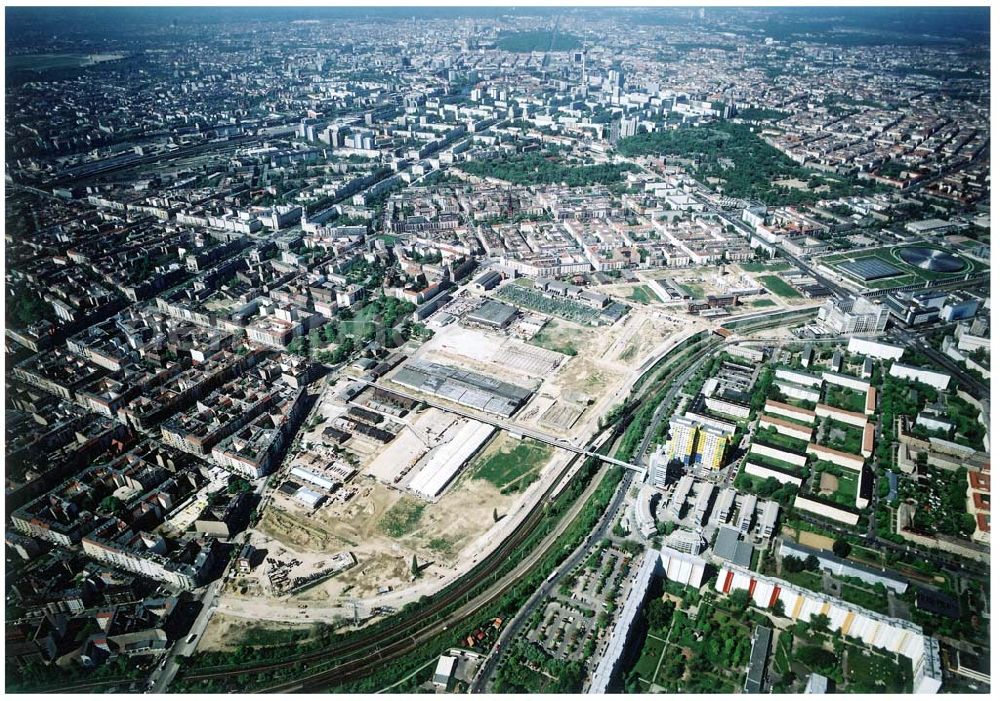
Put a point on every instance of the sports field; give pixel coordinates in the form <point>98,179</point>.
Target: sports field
<point>909,274</point>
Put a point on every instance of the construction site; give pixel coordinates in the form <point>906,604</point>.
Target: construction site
<point>396,486</point>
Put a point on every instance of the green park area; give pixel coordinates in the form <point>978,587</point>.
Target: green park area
<point>745,165</point>
<point>779,287</point>
<point>703,651</point>
<point>875,672</point>
<point>547,168</point>
<point>512,465</point>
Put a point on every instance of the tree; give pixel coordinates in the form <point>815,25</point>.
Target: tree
<point>414,568</point>
<point>792,564</point>
<point>111,505</point>
<point>820,622</point>
<point>739,600</point>
<point>812,563</point>
<point>815,658</point>
<point>778,608</point>
<point>769,486</point>
<point>238,485</point>
<point>659,614</point>
<point>841,548</point>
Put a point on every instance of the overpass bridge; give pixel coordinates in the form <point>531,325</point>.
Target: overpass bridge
<point>506,425</point>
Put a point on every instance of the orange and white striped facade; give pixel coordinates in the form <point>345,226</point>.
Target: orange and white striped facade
<point>874,629</point>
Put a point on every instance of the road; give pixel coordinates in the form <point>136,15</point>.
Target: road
<point>965,381</point>
<point>164,674</point>
<point>600,531</point>
<point>485,674</point>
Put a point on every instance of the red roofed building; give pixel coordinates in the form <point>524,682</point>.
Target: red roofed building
<point>978,503</point>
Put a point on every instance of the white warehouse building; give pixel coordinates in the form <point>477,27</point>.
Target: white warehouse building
<point>447,460</point>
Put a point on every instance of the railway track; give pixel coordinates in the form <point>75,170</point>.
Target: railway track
<point>358,657</point>
<point>403,634</point>
<point>363,654</point>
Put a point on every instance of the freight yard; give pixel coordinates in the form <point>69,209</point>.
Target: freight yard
<point>413,493</point>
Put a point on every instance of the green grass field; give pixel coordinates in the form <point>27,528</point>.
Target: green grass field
<point>558,338</point>
<point>872,671</point>
<point>513,470</point>
<point>762,303</point>
<point>765,267</point>
<point>770,435</point>
<point>781,652</point>
<point>779,287</point>
<point>847,488</point>
<point>649,658</point>
<point>402,517</point>
<point>768,461</point>
<point>789,419</point>
<point>696,291</point>
<point>642,294</point>
<point>864,598</point>
<point>808,580</point>
<point>845,398</point>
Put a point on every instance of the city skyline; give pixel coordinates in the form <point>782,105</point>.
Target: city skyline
<point>497,349</point>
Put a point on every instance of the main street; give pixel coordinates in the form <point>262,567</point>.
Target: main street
<point>600,531</point>
<point>164,673</point>
<point>965,381</point>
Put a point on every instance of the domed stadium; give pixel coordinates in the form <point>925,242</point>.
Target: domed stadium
<point>933,259</point>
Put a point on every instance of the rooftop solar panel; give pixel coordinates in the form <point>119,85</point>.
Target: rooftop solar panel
<point>870,269</point>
